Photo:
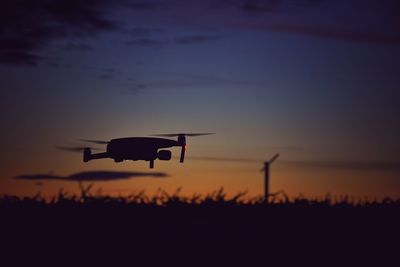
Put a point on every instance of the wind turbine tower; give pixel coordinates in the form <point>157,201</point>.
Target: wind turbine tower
<point>266,176</point>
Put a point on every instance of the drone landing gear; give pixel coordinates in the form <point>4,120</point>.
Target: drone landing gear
<point>151,164</point>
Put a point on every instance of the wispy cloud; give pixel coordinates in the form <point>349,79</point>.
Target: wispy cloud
<point>109,73</point>
<point>182,40</point>
<point>196,39</point>
<point>142,31</point>
<point>255,6</point>
<point>314,164</point>
<point>287,148</point>
<point>367,21</point>
<point>78,47</point>
<point>26,27</point>
<point>226,159</point>
<point>185,81</point>
<point>341,33</point>
<point>345,165</point>
<point>149,42</point>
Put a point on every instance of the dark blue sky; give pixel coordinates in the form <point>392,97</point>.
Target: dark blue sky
<point>315,80</point>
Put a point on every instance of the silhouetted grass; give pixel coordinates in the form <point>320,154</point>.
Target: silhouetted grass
<point>201,227</point>
<point>217,198</point>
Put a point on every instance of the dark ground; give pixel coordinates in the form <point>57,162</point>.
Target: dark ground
<point>172,230</point>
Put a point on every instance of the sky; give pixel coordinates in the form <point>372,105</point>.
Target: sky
<point>314,80</point>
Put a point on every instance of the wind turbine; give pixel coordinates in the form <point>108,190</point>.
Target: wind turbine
<point>266,176</point>
<point>265,169</point>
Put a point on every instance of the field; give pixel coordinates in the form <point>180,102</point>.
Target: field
<point>206,229</point>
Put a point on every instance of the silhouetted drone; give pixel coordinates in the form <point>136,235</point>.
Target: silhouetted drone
<point>140,148</point>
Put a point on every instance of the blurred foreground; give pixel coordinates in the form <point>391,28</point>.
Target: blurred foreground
<point>209,229</point>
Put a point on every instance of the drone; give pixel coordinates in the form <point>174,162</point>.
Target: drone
<point>140,148</point>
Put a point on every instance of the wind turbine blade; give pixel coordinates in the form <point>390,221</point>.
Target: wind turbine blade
<point>273,158</point>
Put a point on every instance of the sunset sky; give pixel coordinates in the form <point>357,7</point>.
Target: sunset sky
<point>315,80</point>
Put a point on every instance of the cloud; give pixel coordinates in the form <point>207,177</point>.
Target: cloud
<point>314,164</point>
<point>78,47</point>
<point>287,148</point>
<point>274,6</point>
<point>143,4</point>
<point>185,81</point>
<point>142,31</point>
<point>149,42</point>
<point>109,73</point>
<point>196,39</point>
<point>19,58</point>
<point>184,40</point>
<point>346,165</point>
<point>143,36</point>
<point>227,159</point>
<point>136,88</point>
<point>367,22</point>
<point>332,33</point>
<point>261,6</point>
<point>106,76</point>
<point>26,27</point>
<point>93,176</point>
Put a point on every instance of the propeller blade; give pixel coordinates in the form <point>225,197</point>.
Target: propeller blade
<point>99,142</point>
<point>198,134</point>
<point>182,134</point>
<point>165,135</point>
<point>77,149</point>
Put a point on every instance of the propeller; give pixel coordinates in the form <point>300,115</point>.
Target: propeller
<point>182,134</point>
<point>99,142</point>
<point>75,148</point>
<point>182,141</point>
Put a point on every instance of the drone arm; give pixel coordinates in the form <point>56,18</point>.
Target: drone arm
<point>87,155</point>
<point>99,156</point>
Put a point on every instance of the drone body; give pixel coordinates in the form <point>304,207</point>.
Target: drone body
<point>140,148</point>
